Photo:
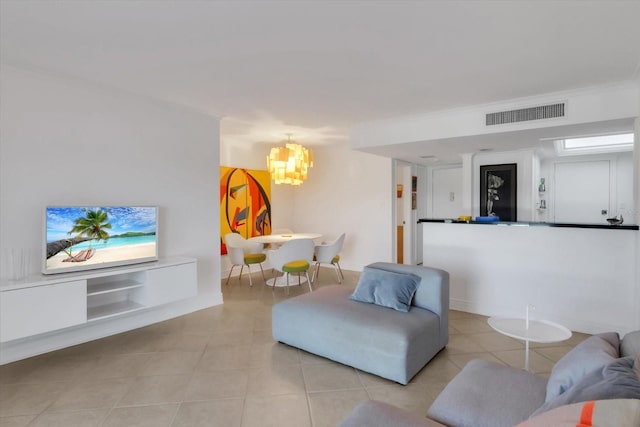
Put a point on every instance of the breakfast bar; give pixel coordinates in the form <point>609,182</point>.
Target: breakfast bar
<point>583,276</point>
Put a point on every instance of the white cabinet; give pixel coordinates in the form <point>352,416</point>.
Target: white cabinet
<point>171,284</point>
<point>32,311</point>
<point>41,304</point>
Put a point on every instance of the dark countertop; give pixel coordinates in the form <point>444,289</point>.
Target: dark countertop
<point>535,224</point>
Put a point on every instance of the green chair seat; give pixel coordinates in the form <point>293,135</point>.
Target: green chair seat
<point>296,266</point>
<point>254,258</point>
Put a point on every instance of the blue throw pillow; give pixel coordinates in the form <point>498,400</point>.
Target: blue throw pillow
<point>386,288</point>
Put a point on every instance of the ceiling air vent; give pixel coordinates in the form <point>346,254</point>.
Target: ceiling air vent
<point>525,114</point>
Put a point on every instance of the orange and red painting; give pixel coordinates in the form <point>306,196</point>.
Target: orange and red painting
<point>245,205</point>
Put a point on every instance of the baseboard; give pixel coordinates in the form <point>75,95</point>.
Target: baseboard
<point>576,325</point>
<point>32,346</point>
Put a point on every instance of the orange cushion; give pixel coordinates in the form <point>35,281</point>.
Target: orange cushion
<point>598,413</point>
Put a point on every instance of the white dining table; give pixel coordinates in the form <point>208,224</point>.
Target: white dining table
<point>282,238</point>
<point>278,239</point>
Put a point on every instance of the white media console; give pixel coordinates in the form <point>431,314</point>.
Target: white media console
<point>44,312</point>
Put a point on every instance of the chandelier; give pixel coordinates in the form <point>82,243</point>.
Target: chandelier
<point>289,164</point>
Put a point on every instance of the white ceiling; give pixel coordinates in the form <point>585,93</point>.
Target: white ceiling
<point>317,68</point>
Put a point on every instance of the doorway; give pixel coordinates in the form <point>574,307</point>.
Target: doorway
<point>404,225</point>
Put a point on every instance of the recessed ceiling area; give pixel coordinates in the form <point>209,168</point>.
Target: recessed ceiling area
<point>450,150</point>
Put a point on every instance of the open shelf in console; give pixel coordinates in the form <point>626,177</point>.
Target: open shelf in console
<point>109,296</point>
<point>106,311</point>
<point>108,287</point>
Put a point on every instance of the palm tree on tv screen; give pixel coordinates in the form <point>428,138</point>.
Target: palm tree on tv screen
<point>92,225</point>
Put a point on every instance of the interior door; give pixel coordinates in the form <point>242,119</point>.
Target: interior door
<point>582,191</point>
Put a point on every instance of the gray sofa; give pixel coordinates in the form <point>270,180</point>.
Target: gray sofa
<point>603,369</point>
<point>379,340</point>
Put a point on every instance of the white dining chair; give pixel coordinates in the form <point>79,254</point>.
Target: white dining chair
<point>294,256</point>
<point>242,252</point>
<point>329,253</point>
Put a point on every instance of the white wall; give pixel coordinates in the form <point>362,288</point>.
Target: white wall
<point>65,141</point>
<point>445,183</point>
<point>347,192</point>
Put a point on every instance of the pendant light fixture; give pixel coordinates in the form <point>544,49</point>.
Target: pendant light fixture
<point>289,164</point>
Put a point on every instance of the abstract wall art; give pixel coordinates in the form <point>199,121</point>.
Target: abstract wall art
<point>245,203</point>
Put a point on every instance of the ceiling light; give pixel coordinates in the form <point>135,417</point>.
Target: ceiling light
<point>289,164</point>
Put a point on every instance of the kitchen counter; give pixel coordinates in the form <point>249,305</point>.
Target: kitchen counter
<point>534,224</point>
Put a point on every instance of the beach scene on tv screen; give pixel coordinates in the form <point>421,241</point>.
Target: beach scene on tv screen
<point>88,236</point>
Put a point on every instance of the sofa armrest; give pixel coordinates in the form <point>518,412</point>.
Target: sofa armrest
<point>486,394</point>
<point>372,413</point>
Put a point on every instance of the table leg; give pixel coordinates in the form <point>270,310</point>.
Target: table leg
<point>526,355</point>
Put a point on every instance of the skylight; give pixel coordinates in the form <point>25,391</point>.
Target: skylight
<point>595,144</point>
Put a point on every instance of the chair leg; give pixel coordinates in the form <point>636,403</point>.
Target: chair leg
<point>299,279</point>
<point>338,275</point>
<point>307,274</point>
<point>250,281</point>
<point>241,269</point>
<point>340,270</point>
<point>229,276</point>
<point>261,269</point>
<point>273,288</point>
<point>287,283</point>
<point>316,272</point>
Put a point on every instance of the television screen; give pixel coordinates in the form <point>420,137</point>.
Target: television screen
<point>87,237</point>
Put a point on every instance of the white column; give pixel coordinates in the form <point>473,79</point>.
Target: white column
<point>467,183</point>
<point>636,209</point>
<point>636,171</point>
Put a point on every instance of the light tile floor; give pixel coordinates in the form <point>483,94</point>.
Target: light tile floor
<point>220,367</point>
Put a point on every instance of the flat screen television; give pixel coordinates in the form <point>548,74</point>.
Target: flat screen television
<point>87,237</point>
